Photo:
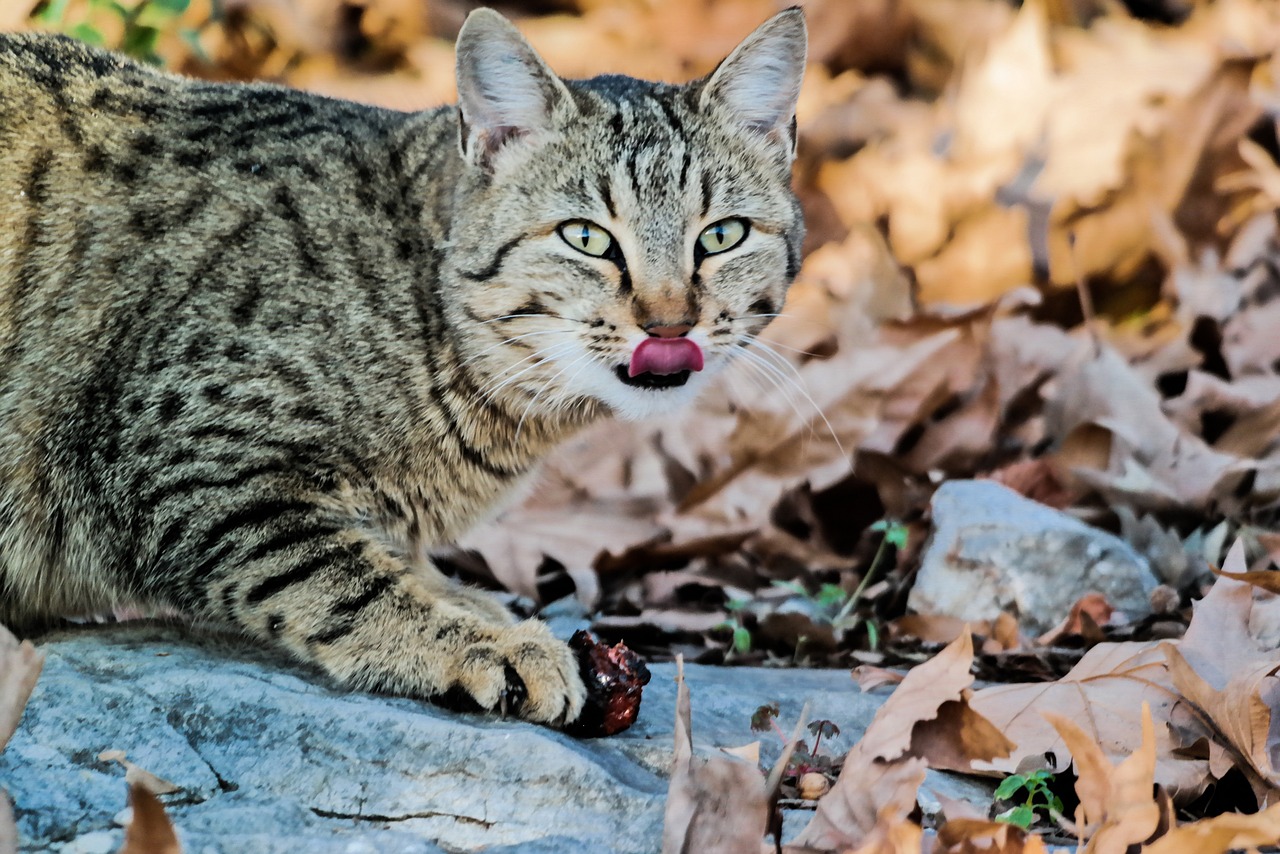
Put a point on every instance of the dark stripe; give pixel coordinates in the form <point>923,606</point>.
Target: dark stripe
<point>496,264</point>
<point>334,633</point>
<point>297,574</point>
<point>377,587</point>
<point>184,486</point>
<point>607,197</point>
<point>684,167</point>
<point>672,118</point>
<point>793,263</point>
<point>632,171</point>
<point>34,187</point>
<point>252,515</point>
<point>306,247</point>
<point>706,192</point>
<point>469,452</point>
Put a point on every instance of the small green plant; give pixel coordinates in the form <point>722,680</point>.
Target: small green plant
<point>1039,797</point>
<point>741,643</point>
<point>803,759</point>
<point>144,22</point>
<point>832,600</point>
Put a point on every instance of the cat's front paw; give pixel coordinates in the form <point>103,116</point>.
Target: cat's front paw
<point>524,671</point>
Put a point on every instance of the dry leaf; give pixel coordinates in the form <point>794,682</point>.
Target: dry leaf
<point>1103,694</point>
<point>882,773</point>
<point>20,665</point>
<point>716,805</point>
<point>869,677</point>
<point>1117,804</point>
<point>150,831</point>
<point>972,836</point>
<point>8,829</point>
<point>135,775</point>
<point>1231,677</point>
<point>1221,833</point>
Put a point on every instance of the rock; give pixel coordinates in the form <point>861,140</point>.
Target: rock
<point>993,550</point>
<point>270,759</point>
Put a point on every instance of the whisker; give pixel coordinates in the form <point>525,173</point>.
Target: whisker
<point>512,340</point>
<point>799,385</point>
<point>545,354</point>
<point>777,379</point>
<point>514,316</point>
<point>529,407</point>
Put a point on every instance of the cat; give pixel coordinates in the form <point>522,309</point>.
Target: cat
<point>259,348</point>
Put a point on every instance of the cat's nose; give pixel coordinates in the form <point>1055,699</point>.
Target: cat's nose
<point>679,330</point>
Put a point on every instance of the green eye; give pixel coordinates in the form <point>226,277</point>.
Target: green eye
<point>586,237</point>
<point>725,234</point>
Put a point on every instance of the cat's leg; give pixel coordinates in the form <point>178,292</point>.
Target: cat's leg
<point>480,602</point>
<point>338,598</point>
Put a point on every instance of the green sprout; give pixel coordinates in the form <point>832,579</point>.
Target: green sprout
<point>1038,797</point>
<point>741,634</point>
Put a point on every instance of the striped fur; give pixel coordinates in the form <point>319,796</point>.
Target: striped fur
<point>260,349</point>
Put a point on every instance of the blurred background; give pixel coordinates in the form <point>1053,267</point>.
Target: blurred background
<point>1042,251</point>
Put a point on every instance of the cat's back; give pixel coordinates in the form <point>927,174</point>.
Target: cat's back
<point>118,180</point>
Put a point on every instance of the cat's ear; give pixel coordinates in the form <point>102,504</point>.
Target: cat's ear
<point>505,91</point>
<point>759,83</point>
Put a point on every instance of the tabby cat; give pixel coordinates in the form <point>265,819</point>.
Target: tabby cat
<point>259,349</point>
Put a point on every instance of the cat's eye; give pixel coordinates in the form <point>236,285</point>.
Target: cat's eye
<point>723,235</point>
<point>586,237</point>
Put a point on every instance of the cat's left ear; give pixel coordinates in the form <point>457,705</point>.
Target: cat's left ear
<point>759,83</point>
<point>506,93</point>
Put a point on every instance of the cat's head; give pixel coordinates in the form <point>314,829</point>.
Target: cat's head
<point>621,240</point>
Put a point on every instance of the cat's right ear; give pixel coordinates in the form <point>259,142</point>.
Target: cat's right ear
<point>757,86</point>
<point>506,93</point>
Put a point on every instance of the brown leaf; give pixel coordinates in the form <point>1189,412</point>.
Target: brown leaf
<point>973,835</point>
<point>136,775</point>
<point>882,773</point>
<point>1217,835</point>
<point>1103,693</point>
<point>1088,613</point>
<point>957,737</point>
<point>1232,677</point>
<point>20,665</point>
<point>1117,804</point>
<point>869,677</point>
<point>150,831</point>
<point>868,793</point>
<point>8,830</point>
<point>716,805</point>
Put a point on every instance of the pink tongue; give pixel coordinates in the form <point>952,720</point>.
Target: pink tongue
<point>663,356</point>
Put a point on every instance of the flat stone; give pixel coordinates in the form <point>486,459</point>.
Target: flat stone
<point>270,759</point>
<point>994,551</point>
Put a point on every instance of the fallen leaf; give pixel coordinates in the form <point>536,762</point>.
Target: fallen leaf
<point>1220,834</point>
<point>1117,803</point>
<point>869,677</point>
<point>8,830</point>
<point>20,665</point>
<point>882,773</point>
<point>1103,694</point>
<point>974,835</point>
<point>149,831</point>
<point>135,775</point>
<point>716,805</point>
<point>1232,678</point>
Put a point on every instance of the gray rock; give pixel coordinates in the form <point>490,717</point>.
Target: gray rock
<point>993,550</point>
<point>269,759</point>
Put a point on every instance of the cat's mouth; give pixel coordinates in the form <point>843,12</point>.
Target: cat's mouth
<point>651,380</point>
<point>661,363</point>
